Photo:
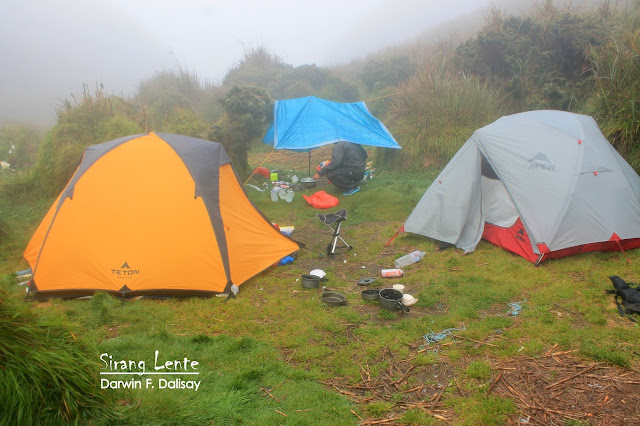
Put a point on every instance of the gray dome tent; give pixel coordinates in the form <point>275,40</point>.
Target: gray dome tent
<point>541,184</point>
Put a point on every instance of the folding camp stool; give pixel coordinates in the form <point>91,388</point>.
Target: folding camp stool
<point>334,222</point>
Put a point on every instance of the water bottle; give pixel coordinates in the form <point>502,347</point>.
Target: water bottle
<point>408,259</point>
<point>289,196</point>
<point>274,194</point>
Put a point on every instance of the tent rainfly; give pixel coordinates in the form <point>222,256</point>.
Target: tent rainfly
<point>152,214</point>
<point>541,184</point>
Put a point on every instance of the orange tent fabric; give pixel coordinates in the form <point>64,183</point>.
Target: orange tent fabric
<point>157,214</point>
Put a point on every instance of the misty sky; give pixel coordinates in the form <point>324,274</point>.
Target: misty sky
<point>50,48</point>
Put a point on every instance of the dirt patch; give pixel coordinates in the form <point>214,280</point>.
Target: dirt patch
<point>402,384</point>
<point>558,387</point>
<point>113,332</point>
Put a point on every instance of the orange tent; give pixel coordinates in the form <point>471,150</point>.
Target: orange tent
<point>158,214</point>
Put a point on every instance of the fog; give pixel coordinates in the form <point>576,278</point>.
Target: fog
<point>50,48</point>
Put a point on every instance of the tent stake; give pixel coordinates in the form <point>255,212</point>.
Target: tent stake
<point>394,236</point>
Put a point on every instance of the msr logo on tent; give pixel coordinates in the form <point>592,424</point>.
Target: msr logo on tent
<point>125,271</point>
<point>540,162</point>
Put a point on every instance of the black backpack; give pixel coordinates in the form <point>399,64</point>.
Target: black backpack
<point>627,298</point>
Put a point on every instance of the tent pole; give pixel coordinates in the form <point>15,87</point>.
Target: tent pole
<point>309,163</point>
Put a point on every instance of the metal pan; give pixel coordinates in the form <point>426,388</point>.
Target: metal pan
<point>334,298</point>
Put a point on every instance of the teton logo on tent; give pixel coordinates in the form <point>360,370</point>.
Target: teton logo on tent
<point>540,162</point>
<point>125,271</point>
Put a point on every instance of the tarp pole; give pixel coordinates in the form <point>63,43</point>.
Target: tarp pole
<point>309,163</point>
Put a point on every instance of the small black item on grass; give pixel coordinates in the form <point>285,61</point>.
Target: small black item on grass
<point>366,281</point>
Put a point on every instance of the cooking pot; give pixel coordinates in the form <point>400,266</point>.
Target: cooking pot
<point>334,298</point>
<point>391,300</point>
<point>310,281</point>
<point>371,294</point>
<point>308,182</point>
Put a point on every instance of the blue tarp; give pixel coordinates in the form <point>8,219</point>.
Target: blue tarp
<point>305,123</point>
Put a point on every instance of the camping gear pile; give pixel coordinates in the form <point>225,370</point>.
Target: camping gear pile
<point>392,299</point>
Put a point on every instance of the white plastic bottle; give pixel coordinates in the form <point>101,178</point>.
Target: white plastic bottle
<point>289,196</point>
<point>408,259</point>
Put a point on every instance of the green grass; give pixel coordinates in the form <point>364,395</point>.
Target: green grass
<point>277,333</point>
<point>48,373</point>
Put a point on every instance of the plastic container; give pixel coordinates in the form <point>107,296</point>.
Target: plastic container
<point>289,196</point>
<point>392,273</point>
<point>274,194</point>
<point>398,287</point>
<point>408,259</point>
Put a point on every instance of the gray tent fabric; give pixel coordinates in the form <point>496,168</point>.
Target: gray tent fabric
<point>563,179</point>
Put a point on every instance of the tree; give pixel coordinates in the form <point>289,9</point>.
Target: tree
<point>247,110</point>
<point>259,67</point>
<point>540,59</point>
<point>378,74</point>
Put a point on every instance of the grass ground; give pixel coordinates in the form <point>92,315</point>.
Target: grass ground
<point>277,355</point>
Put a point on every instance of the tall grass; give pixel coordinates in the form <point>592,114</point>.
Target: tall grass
<point>437,111</point>
<point>615,102</point>
<point>19,144</point>
<point>169,95</point>
<point>47,373</point>
<point>82,121</point>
